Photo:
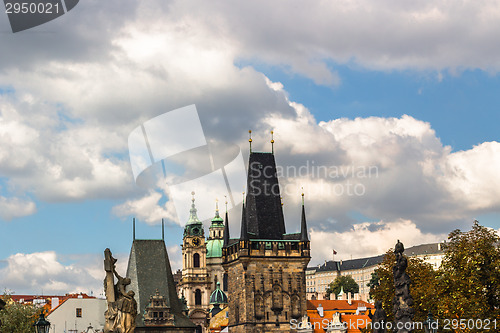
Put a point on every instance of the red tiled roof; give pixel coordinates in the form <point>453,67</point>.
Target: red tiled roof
<point>347,314</point>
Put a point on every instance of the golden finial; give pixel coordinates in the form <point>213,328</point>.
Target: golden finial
<point>243,197</point>
<point>192,193</point>
<point>302,196</point>
<point>272,142</point>
<point>216,204</point>
<point>250,139</point>
<point>281,200</point>
<point>226,202</point>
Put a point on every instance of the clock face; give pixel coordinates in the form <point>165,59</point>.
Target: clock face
<point>196,241</point>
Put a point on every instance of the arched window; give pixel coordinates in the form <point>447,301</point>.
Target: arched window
<point>196,260</point>
<point>197,297</point>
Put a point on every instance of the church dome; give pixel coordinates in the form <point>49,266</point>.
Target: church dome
<point>214,248</point>
<point>218,296</point>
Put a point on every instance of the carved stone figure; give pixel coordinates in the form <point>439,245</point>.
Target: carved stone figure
<point>379,319</point>
<point>402,302</point>
<point>2,305</point>
<point>122,307</point>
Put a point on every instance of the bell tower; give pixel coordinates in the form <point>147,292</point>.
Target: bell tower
<point>195,282</point>
<point>214,250</point>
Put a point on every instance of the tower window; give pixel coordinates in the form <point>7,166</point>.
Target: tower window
<point>224,282</point>
<point>197,297</point>
<point>196,260</point>
<point>79,312</point>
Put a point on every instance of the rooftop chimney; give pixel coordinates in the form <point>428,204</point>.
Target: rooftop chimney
<point>320,310</point>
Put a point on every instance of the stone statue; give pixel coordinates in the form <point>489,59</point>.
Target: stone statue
<point>402,302</point>
<point>122,307</point>
<point>2,305</point>
<point>379,319</point>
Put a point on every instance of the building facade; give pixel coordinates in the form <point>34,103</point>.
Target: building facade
<point>265,265</point>
<point>318,278</point>
<point>75,315</point>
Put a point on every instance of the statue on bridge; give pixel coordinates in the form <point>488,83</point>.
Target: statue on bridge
<point>122,307</point>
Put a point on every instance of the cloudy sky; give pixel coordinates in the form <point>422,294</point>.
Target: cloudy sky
<point>386,113</point>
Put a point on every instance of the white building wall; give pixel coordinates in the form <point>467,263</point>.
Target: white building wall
<point>64,318</point>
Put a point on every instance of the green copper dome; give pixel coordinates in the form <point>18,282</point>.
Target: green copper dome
<point>214,248</point>
<point>194,227</point>
<point>218,296</point>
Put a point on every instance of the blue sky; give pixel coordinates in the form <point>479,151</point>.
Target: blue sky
<point>412,91</point>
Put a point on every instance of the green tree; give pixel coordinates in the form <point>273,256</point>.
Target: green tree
<point>374,282</point>
<point>15,317</point>
<point>469,281</point>
<point>423,286</point>
<point>345,282</point>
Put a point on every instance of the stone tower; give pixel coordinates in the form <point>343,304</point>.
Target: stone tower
<point>215,242</point>
<point>265,265</point>
<point>195,284</point>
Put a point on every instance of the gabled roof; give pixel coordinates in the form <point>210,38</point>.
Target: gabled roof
<point>149,270</point>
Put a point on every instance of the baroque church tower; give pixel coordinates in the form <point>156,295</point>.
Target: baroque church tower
<point>265,265</point>
<point>215,243</point>
<point>195,284</point>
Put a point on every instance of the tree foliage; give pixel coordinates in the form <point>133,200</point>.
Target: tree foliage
<point>470,275</point>
<point>15,317</point>
<point>467,285</point>
<point>345,282</point>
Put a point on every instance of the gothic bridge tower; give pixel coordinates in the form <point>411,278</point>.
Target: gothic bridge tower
<point>265,265</point>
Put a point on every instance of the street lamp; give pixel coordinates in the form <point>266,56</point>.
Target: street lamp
<point>430,325</point>
<point>42,325</point>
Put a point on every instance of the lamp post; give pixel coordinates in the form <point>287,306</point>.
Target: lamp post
<point>42,325</point>
<point>430,325</point>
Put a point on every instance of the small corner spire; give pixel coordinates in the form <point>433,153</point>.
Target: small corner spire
<point>303,223</point>
<point>226,229</point>
<point>272,142</point>
<point>250,139</point>
<point>162,230</point>
<point>244,231</point>
<point>133,228</point>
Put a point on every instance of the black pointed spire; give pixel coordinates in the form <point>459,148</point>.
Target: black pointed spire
<point>303,224</point>
<point>133,228</point>
<point>226,230</point>
<point>264,212</point>
<point>244,231</point>
<point>162,230</point>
